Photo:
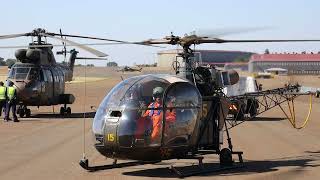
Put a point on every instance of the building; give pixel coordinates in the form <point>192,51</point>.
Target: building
<point>293,63</point>
<point>217,57</point>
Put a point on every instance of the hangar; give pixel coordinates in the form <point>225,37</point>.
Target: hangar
<point>306,63</point>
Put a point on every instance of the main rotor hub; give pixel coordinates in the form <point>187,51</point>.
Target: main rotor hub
<point>38,32</point>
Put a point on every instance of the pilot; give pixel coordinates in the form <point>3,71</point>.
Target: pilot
<point>11,102</point>
<point>156,114</point>
<point>3,97</point>
<point>33,74</point>
<point>151,121</point>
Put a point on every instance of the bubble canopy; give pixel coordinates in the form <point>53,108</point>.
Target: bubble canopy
<point>136,111</point>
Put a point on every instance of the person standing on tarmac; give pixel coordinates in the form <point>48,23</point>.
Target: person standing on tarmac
<point>11,102</point>
<point>3,97</point>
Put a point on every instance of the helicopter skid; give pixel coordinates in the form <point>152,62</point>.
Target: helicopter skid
<point>84,163</point>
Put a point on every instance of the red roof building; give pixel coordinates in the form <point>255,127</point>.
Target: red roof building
<point>286,57</point>
<point>294,63</point>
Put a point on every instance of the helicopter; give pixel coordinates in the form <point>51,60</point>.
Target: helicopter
<point>129,69</point>
<point>38,78</point>
<point>194,112</point>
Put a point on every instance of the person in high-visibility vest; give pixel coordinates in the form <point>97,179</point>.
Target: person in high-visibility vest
<point>3,97</point>
<point>11,102</point>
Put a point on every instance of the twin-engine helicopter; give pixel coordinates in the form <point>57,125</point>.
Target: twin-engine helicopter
<point>149,118</point>
<point>129,69</point>
<point>38,78</point>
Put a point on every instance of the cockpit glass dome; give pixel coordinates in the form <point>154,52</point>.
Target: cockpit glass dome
<point>132,94</point>
<point>111,100</point>
<point>135,113</point>
<point>143,91</point>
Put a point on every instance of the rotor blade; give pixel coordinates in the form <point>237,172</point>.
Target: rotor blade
<point>60,45</point>
<point>216,33</point>
<point>30,46</point>
<point>103,39</point>
<point>89,37</point>
<point>13,36</point>
<point>155,41</point>
<point>199,41</point>
<point>91,58</point>
<point>84,47</point>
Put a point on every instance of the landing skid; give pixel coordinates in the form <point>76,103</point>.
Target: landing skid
<point>84,163</point>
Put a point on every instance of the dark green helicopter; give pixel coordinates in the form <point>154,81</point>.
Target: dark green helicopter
<point>38,78</point>
<point>187,120</point>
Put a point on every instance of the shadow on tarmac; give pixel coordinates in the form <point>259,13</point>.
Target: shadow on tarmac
<point>250,167</point>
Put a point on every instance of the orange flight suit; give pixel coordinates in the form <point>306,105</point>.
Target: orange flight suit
<point>156,117</point>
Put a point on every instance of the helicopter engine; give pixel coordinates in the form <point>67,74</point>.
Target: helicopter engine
<point>33,55</point>
<point>28,55</point>
<point>21,54</point>
<point>208,80</point>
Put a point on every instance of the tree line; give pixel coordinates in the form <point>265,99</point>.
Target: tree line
<point>9,62</point>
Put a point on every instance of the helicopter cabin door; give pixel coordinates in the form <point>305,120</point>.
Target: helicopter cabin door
<point>48,87</point>
<point>56,84</point>
<point>182,107</point>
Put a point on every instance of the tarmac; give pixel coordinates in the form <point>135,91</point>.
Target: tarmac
<point>48,146</point>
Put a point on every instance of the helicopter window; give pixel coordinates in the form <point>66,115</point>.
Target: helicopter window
<point>33,74</point>
<point>115,114</point>
<point>143,90</point>
<point>12,73</point>
<point>111,100</point>
<point>182,111</point>
<point>142,114</point>
<point>43,76</point>
<point>20,73</point>
<point>49,75</point>
<point>55,76</point>
<point>61,75</point>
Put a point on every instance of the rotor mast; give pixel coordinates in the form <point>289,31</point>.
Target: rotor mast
<point>187,54</point>
<point>187,69</point>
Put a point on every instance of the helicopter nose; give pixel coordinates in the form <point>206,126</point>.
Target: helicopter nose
<point>21,91</point>
<point>25,91</point>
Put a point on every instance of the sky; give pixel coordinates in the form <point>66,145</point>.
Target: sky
<point>143,19</point>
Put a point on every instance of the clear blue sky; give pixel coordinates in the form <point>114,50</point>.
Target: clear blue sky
<point>144,19</point>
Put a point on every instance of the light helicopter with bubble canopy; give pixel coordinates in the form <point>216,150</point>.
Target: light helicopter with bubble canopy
<point>155,117</point>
